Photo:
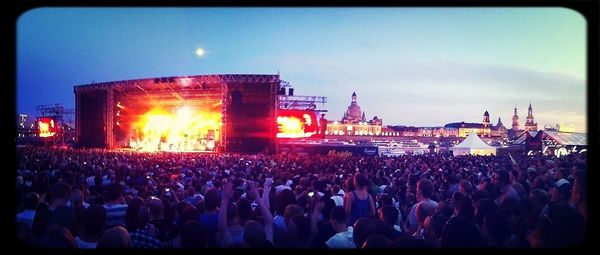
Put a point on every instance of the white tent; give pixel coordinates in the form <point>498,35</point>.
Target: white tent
<point>473,145</point>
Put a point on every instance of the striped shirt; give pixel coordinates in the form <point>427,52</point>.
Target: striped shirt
<point>115,214</point>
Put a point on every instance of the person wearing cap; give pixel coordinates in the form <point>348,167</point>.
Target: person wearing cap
<point>559,195</point>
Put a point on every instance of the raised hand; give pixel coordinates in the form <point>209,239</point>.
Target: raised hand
<point>227,191</point>
<point>252,190</point>
<point>268,183</point>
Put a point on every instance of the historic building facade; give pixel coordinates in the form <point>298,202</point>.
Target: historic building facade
<point>483,129</point>
<point>354,123</point>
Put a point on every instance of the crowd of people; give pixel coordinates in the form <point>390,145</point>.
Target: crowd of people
<point>91,198</point>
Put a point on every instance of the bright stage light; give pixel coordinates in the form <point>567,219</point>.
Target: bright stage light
<point>210,144</point>
<point>199,52</point>
<point>184,112</point>
<point>181,129</point>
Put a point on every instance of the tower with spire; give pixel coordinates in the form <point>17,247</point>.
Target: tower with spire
<point>530,125</point>
<point>515,121</point>
<point>486,124</point>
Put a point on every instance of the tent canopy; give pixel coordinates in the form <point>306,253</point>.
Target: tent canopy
<point>473,145</point>
<point>473,142</point>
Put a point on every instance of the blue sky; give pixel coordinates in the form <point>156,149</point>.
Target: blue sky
<point>409,66</point>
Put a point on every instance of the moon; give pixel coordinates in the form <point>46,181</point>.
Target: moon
<point>199,52</point>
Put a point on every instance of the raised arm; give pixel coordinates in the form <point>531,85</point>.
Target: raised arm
<point>266,192</point>
<point>266,214</point>
<point>225,195</point>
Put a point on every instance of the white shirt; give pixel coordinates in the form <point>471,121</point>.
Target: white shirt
<point>342,240</point>
<point>339,201</point>
<point>281,188</point>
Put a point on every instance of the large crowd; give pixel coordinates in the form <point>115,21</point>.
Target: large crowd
<point>76,198</point>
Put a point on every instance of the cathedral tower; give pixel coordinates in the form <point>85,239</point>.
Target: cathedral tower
<point>515,121</point>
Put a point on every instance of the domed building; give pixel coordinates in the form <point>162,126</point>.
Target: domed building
<point>354,123</point>
<point>354,113</point>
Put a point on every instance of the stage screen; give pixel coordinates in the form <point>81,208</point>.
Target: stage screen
<point>47,127</point>
<point>297,124</point>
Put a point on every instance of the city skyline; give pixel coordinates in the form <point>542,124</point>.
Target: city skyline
<point>408,66</point>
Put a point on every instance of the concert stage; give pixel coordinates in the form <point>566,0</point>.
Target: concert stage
<point>203,113</point>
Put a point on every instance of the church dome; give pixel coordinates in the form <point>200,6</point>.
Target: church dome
<point>354,113</point>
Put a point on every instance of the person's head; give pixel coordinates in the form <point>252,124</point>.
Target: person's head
<point>212,200</point>
<point>361,181</point>
<point>377,241</point>
<point>335,190</point>
<point>460,233</point>
<point>338,218</point>
<point>157,208</point>
<point>543,234</point>
<point>424,189</point>
<point>568,223</point>
<point>434,225</point>
<point>193,235</point>
<point>302,226</point>
<point>245,210</point>
<point>385,200</point>
<point>188,214</point>
<point>558,174</point>
<point>254,233</point>
<point>539,197</point>
<point>388,214</point>
<point>363,227</point>
<point>464,208</point>
<point>483,207</point>
<point>61,191</point>
<point>190,191</point>
<point>143,216</point>
<point>232,212</point>
<point>116,237</point>
<point>93,220</point>
<point>65,217</point>
<point>465,187</point>
<point>77,197</point>
<point>292,211</point>
<point>114,192</point>
<point>283,199</point>
<point>326,204</point>
<point>501,178</point>
<point>445,207</point>
<point>31,201</point>
<point>131,215</point>
<point>496,227</point>
<point>561,191</point>
<point>58,237</point>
